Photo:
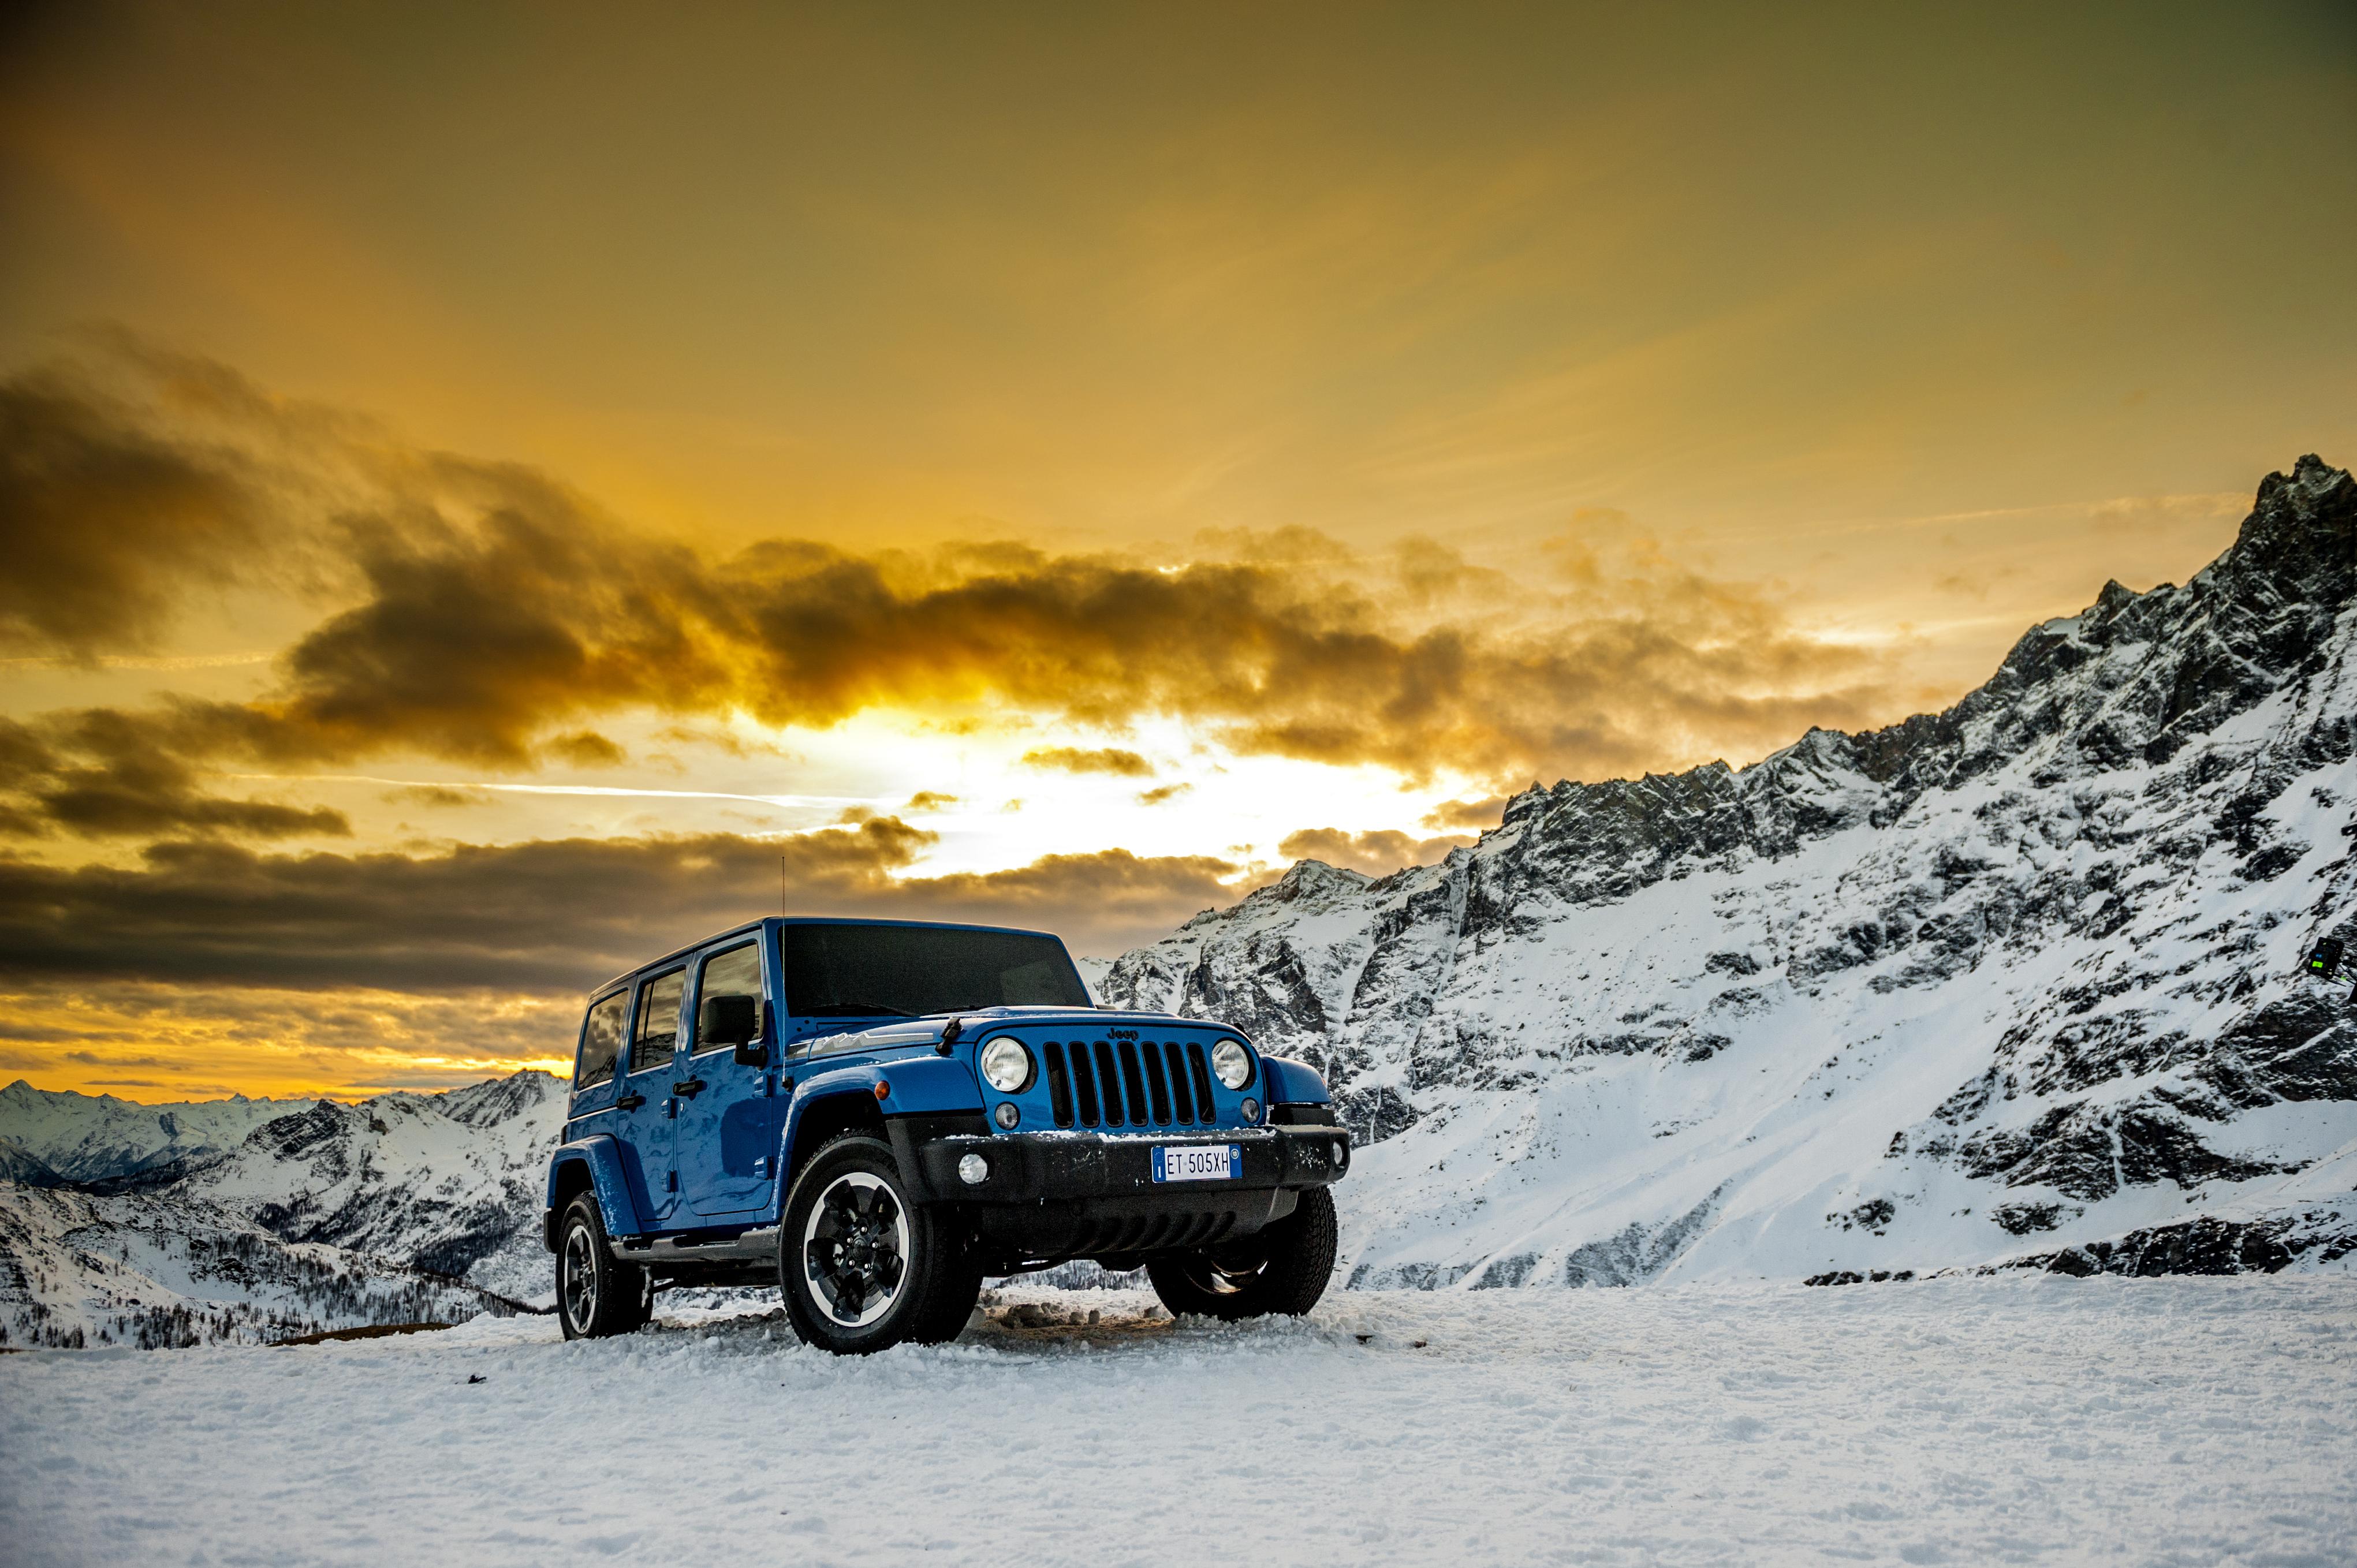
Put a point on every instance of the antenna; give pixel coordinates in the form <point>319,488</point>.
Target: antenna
<point>781,887</point>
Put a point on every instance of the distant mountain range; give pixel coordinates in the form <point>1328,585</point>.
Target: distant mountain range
<point>257,1220</point>
<point>2013,983</point>
<point>2010,985</point>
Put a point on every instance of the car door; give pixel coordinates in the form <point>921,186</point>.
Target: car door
<point>598,1065</point>
<point>728,1113</point>
<point>647,1109</point>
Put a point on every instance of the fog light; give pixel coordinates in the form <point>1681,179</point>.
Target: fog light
<point>1007,1115</point>
<point>974,1170</point>
<point>1252,1110</point>
<point>1341,1154</point>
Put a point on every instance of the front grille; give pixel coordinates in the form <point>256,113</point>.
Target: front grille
<point>1138,1083</point>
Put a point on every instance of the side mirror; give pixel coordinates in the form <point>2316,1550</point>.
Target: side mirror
<point>729,1021</point>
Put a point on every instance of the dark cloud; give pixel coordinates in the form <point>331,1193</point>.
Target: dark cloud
<point>1069,759</point>
<point>1469,815</point>
<point>544,917</point>
<point>101,774</point>
<point>490,616</point>
<point>103,525</point>
<point>438,795</point>
<point>1377,853</point>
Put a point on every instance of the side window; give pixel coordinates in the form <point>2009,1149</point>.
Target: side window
<point>736,972</point>
<point>601,1040</point>
<point>658,1020</point>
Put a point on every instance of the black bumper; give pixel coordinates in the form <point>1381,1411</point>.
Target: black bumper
<point>1072,1194</point>
<point>1031,1167</point>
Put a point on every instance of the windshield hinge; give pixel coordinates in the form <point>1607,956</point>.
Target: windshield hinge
<point>950,1032</point>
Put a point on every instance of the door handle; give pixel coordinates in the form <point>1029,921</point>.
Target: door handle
<point>630,1103</point>
<point>688,1087</point>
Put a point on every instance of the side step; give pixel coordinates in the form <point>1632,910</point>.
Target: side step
<point>755,1246</point>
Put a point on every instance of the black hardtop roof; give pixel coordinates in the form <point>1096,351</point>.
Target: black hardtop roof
<point>769,922</point>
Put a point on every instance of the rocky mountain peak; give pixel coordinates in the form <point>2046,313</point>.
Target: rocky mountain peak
<point>2013,946</point>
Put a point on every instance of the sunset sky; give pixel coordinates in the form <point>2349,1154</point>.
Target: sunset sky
<point>491,493</point>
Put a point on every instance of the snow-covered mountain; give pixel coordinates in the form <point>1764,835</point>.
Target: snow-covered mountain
<point>156,1270</point>
<point>2012,982</point>
<point>2015,983</point>
<point>449,1182</point>
<point>86,1137</point>
<point>314,1216</point>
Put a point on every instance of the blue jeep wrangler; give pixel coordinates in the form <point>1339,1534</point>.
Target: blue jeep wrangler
<point>879,1114</point>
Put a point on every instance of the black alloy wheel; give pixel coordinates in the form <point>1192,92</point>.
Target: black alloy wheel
<point>861,1267</point>
<point>1282,1268</point>
<point>597,1294</point>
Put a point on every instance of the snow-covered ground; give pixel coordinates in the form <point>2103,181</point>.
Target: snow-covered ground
<point>2014,1419</point>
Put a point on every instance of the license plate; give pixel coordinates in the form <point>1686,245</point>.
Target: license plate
<point>1198,1162</point>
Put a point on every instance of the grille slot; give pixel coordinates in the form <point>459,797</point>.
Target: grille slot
<point>1059,1084</point>
<point>1109,1084</point>
<point>1157,1088</point>
<point>1186,1101</point>
<point>1135,1082</point>
<point>1202,1076</point>
<point>1084,1085</point>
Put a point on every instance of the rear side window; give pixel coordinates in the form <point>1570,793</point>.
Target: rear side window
<point>601,1040</point>
<point>658,1020</point>
<point>737,972</point>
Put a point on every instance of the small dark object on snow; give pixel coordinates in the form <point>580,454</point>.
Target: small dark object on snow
<point>1362,1339</point>
<point>2324,963</point>
<point>1420,1343</point>
<point>475,1377</point>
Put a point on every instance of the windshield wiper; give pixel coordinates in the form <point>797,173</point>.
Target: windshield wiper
<point>856,1010</point>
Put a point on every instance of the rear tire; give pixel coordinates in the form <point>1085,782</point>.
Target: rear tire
<point>861,1266</point>
<point>1282,1269</point>
<point>598,1294</point>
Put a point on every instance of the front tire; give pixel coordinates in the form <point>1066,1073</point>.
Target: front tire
<point>862,1267</point>
<point>598,1294</point>
<point>1283,1267</point>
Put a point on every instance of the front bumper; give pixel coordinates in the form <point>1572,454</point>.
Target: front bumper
<point>1032,1167</point>
<point>1069,1195</point>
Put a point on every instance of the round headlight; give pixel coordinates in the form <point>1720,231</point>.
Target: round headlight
<point>1232,1064</point>
<point>1006,1065</point>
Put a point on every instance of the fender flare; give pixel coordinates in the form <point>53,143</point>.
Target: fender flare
<point>1292,1083</point>
<point>603,1156</point>
<point>918,1085</point>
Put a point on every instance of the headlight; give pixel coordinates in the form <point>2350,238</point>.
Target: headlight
<point>1232,1064</point>
<point>1007,1065</point>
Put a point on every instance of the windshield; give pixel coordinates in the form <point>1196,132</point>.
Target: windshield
<point>869,971</point>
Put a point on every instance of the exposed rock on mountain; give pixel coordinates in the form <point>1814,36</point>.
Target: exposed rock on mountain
<point>2022,971</point>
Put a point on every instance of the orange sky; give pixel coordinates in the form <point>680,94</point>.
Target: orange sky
<point>1041,465</point>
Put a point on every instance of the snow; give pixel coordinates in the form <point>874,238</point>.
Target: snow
<point>2016,1419</point>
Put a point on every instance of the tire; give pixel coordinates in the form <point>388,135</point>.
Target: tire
<point>1282,1269</point>
<point>861,1267</point>
<point>598,1294</point>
